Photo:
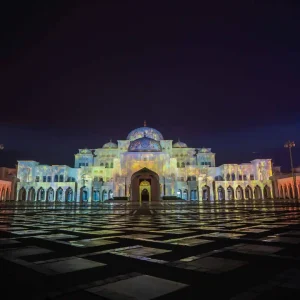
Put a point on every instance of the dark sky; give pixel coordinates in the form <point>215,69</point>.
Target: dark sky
<point>77,73</point>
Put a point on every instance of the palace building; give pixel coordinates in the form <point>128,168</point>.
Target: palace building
<point>144,167</point>
<point>8,183</point>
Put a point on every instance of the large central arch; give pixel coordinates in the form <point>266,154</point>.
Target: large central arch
<point>139,178</point>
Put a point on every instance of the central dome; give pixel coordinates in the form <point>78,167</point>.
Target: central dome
<point>145,132</point>
<point>144,144</point>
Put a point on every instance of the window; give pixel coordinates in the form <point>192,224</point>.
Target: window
<point>101,165</point>
<point>61,178</point>
<point>251,177</point>
<point>49,179</point>
<point>56,178</point>
<point>244,177</point>
<point>182,165</point>
<point>240,177</point>
<point>79,165</point>
<point>111,165</point>
<point>232,176</point>
<point>187,163</point>
<point>86,164</point>
<point>37,179</point>
<point>44,178</point>
<point>106,165</point>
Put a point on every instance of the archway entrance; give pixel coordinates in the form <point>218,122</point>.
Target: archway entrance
<point>144,186</point>
<point>145,191</point>
<point>205,193</point>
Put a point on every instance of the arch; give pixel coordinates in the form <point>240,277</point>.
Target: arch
<point>50,195</point>
<point>221,193</point>
<point>281,192</point>
<point>104,195</point>
<point>185,195</point>
<point>22,194</point>
<point>193,195</point>
<point>41,194</point>
<point>2,194</point>
<point>205,192</point>
<point>69,195</point>
<point>152,178</point>
<point>59,194</point>
<point>84,194</point>
<point>248,193</point>
<point>239,193</point>
<point>31,194</point>
<point>230,193</point>
<point>96,195</point>
<point>179,193</point>
<point>267,192</point>
<point>291,191</point>
<point>257,193</point>
<point>110,194</point>
<point>286,192</point>
<point>8,194</point>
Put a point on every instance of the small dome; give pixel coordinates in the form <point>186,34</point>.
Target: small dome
<point>144,144</point>
<point>85,151</point>
<point>110,145</point>
<point>144,131</point>
<point>179,144</point>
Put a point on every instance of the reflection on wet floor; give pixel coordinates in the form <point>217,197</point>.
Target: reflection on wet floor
<point>173,243</point>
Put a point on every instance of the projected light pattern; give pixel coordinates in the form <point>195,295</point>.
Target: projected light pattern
<point>145,131</point>
<point>188,172</point>
<point>144,144</point>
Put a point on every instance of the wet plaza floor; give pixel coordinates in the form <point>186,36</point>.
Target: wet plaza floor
<point>234,250</point>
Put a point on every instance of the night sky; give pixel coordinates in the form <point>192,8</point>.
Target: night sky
<point>76,73</point>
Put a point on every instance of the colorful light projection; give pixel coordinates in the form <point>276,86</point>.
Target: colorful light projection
<point>132,162</point>
<point>144,148</point>
<point>145,131</point>
<point>145,144</point>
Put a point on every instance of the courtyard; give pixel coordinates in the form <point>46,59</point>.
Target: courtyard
<point>234,249</point>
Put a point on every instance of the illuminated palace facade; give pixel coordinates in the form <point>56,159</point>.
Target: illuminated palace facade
<point>144,167</point>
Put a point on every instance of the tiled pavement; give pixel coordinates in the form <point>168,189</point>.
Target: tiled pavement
<point>236,250</point>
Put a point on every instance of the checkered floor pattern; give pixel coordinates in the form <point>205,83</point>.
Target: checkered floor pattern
<point>241,249</point>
